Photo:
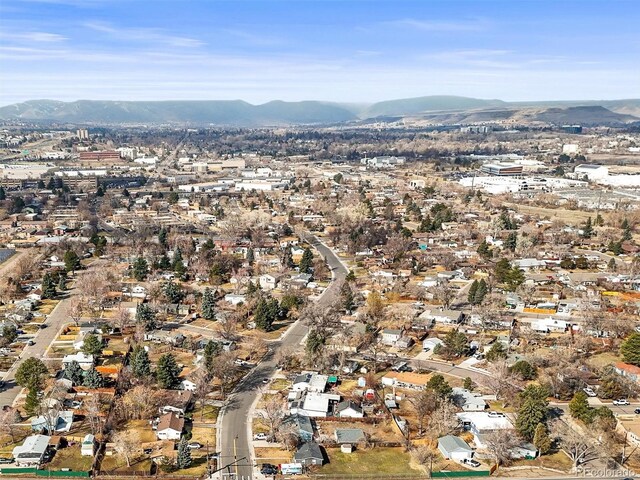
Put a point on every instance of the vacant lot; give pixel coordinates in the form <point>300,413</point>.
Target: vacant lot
<point>70,458</point>
<point>375,461</point>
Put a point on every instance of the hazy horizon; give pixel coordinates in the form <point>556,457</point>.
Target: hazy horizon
<point>345,52</point>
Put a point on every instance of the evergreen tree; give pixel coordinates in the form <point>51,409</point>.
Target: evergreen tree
<point>524,369</point>
<point>307,261</point>
<point>146,316</point>
<point>511,241</point>
<point>630,349</point>
<point>48,286</point>
<point>173,292</point>
<point>626,230</point>
<point>541,439</point>
<point>351,276</point>
<point>531,413</point>
<point>263,315</point>
<point>32,401</point>
<point>92,345</point>
<point>167,371</point>
<point>164,263</point>
<point>612,265</point>
<point>579,407</point>
<point>484,251</point>
<point>346,295</point>
<point>472,292</point>
<point>62,281</point>
<point>3,194</point>
<point>287,258</point>
<point>162,237</point>
<point>481,292</point>
<point>71,261</point>
<point>208,304</point>
<point>314,344</point>
<point>31,373</point>
<point>211,350</point>
<point>439,385</point>
<point>183,460</point>
<point>9,334</point>
<point>140,363</point>
<point>250,256</point>
<point>587,230</point>
<point>140,269</point>
<point>93,379</point>
<point>468,384</point>
<point>74,372</point>
<point>502,269</point>
<point>177,259</point>
<point>496,352</point>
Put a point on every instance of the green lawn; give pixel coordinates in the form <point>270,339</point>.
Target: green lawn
<point>70,458</point>
<point>377,460</point>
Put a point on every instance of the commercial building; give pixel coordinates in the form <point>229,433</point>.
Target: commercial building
<point>501,169</point>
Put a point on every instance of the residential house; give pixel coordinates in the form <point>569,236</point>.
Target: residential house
<point>302,426</point>
<point>176,401</point>
<point>630,428</point>
<point>268,281</point>
<point>164,336</point>
<point>390,336</point>
<point>57,421</point>
<point>431,343</point>
<point>170,427</point>
<point>311,382</point>
<point>628,371</point>
<point>468,401</point>
<point>309,454</point>
<point>480,424</point>
<point>454,448</point>
<point>85,361</point>
<point>311,404</point>
<point>31,452</point>
<point>349,409</point>
<point>188,385</point>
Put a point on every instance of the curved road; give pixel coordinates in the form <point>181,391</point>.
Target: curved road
<point>234,439</point>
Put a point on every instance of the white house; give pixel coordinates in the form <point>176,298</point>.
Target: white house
<point>235,299</point>
<point>85,361</point>
<point>390,336</point>
<point>170,427</point>
<point>431,343</point>
<point>481,424</point>
<point>310,382</point>
<point>442,316</point>
<point>268,281</point>
<point>468,401</point>
<point>454,448</point>
<point>30,453</point>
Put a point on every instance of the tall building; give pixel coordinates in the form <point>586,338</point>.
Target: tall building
<point>82,134</point>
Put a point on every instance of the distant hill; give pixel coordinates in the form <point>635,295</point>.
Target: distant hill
<point>219,112</point>
<point>434,109</point>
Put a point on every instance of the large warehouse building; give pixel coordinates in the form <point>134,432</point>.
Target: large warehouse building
<point>501,169</point>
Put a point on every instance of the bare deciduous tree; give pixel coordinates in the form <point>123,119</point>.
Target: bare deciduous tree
<point>576,445</point>
<point>424,403</point>
<point>127,444</point>
<point>273,414</point>
<point>500,443</point>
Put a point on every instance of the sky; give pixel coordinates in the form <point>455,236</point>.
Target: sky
<point>356,51</point>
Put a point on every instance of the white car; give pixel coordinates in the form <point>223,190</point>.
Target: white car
<point>621,401</point>
<point>471,462</point>
<point>260,436</point>
<point>589,392</point>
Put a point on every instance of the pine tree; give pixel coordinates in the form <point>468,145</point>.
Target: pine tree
<point>92,345</point>
<point>208,304</point>
<point>626,230</point>
<point>468,384</point>
<point>511,241</point>
<point>307,261</point>
<point>531,413</point>
<point>32,402</point>
<point>140,269</point>
<point>178,261</point>
<point>3,194</point>
<point>250,256</point>
<point>183,459</point>
<point>346,294</point>
<point>541,439</point>
<point>484,251</point>
<point>146,316</point>
<point>481,292</point>
<point>287,258</point>
<point>579,407</point>
<point>62,282</point>
<point>48,286</point>
<point>162,237</point>
<point>211,350</point>
<point>587,230</point>
<point>74,372</point>
<point>71,261</point>
<point>173,292</point>
<point>93,379</point>
<point>167,371</point>
<point>471,297</point>
<point>140,363</point>
<point>630,349</point>
<point>263,316</point>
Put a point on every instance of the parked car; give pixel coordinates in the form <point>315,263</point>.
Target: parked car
<point>260,436</point>
<point>5,460</point>
<point>496,414</point>
<point>471,462</point>
<point>195,446</point>
<point>265,380</point>
<point>268,469</point>
<point>589,391</point>
<point>147,451</point>
<point>637,411</point>
<point>621,401</point>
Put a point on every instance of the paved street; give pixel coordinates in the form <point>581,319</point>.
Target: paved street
<point>234,437</point>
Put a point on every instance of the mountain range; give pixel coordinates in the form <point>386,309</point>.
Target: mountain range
<point>430,109</point>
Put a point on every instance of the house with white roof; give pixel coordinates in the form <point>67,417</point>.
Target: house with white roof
<point>480,424</point>
<point>30,453</point>
<point>85,361</point>
<point>468,401</point>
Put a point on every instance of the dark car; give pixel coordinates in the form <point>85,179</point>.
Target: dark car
<point>147,451</point>
<point>5,460</point>
<point>637,410</point>
<point>268,469</point>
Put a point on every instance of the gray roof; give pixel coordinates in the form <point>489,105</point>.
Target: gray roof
<point>348,404</point>
<point>309,450</point>
<point>453,444</point>
<point>349,435</point>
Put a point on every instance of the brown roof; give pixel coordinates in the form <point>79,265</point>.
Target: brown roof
<point>171,420</point>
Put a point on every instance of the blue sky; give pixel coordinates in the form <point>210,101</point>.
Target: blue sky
<point>335,50</point>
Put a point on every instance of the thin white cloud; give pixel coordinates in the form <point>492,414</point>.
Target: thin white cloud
<point>32,37</point>
<point>143,35</point>
<point>439,25</point>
